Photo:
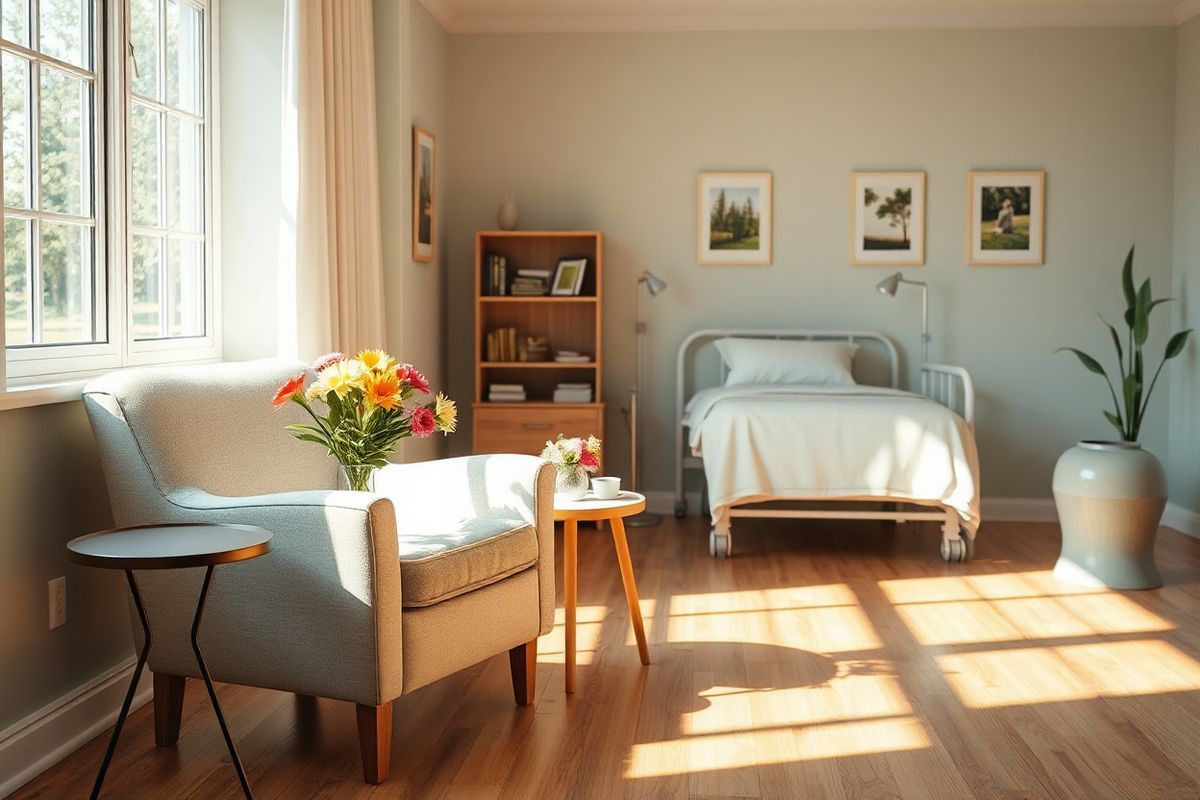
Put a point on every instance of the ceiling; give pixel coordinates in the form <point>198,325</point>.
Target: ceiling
<point>562,16</point>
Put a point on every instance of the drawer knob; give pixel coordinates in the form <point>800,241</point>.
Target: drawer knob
<point>536,426</point>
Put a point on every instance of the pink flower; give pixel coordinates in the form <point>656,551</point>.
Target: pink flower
<point>326,360</point>
<point>587,460</point>
<point>422,422</point>
<point>414,377</point>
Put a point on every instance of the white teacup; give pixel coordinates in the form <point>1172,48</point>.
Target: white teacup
<point>606,488</point>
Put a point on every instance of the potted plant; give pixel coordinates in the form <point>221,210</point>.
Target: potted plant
<point>1110,494</point>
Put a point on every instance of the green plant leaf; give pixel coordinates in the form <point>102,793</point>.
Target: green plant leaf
<point>1131,386</point>
<point>1116,343</point>
<point>1116,421</point>
<point>1141,315</point>
<point>1091,364</point>
<point>1127,284</point>
<point>1176,344</point>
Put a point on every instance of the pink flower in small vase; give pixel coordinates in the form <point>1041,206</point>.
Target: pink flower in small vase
<point>587,460</point>
<point>422,422</point>
<point>415,378</point>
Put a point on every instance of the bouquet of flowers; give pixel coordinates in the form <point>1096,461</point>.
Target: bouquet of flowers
<point>371,403</point>
<point>575,459</point>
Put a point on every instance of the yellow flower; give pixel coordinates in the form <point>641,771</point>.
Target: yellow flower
<point>376,360</point>
<point>339,378</point>
<point>593,444</point>
<point>383,390</point>
<point>445,412</point>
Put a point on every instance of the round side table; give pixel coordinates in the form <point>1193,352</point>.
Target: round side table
<point>173,546</point>
<point>570,513</point>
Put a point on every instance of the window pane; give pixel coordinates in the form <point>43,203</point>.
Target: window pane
<point>143,33</point>
<point>14,21</point>
<point>145,174</point>
<point>184,62</point>
<point>147,266</point>
<point>16,281</point>
<point>185,288</point>
<point>66,31</point>
<point>16,129</point>
<point>66,283</point>
<point>66,143</point>
<point>185,198</point>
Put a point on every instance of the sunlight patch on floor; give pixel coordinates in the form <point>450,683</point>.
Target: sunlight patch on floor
<point>1001,586</point>
<point>589,620</point>
<point>1033,675</point>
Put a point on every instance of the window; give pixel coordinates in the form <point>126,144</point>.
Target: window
<point>107,185</point>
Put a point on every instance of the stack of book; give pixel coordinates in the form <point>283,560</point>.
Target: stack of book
<point>531,282</point>
<point>502,344</point>
<point>571,357</point>
<point>495,275</point>
<point>573,393</point>
<point>506,393</point>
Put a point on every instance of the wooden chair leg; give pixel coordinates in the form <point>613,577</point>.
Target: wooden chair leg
<point>522,660</point>
<point>168,708</point>
<point>375,741</point>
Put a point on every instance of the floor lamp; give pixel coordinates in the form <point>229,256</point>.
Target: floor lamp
<point>655,286</point>
<point>888,286</point>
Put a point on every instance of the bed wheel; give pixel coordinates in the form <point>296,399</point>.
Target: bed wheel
<point>680,509</point>
<point>955,551</point>
<point>719,544</point>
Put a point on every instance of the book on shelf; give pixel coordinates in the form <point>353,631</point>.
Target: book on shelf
<point>501,344</point>
<point>573,393</point>
<point>497,275</point>
<point>571,357</point>
<point>506,393</point>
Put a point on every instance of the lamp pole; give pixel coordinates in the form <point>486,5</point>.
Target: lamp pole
<point>653,285</point>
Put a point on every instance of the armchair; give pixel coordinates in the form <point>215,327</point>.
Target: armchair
<point>366,596</point>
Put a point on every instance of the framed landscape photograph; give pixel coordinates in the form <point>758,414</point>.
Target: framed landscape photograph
<point>887,218</point>
<point>734,222</point>
<point>424,186</point>
<point>1006,220</point>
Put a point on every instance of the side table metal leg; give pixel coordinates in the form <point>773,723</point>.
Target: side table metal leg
<point>137,674</point>
<point>212,693</point>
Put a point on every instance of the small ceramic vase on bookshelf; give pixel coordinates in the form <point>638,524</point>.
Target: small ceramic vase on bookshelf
<point>506,216</point>
<point>572,483</point>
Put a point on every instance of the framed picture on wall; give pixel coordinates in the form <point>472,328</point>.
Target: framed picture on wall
<point>887,218</point>
<point>734,218</point>
<point>1006,220</point>
<point>424,186</point>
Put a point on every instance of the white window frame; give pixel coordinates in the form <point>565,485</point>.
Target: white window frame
<point>36,366</point>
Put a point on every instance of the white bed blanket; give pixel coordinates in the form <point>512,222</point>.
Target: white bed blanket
<point>813,442</point>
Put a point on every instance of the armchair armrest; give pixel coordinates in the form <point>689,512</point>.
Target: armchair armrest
<point>319,614</point>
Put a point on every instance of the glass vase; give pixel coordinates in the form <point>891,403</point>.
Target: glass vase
<point>356,478</point>
<point>571,484</point>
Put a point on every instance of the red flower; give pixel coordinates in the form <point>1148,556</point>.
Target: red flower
<point>422,422</point>
<point>288,391</point>
<point>414,378</point>
<point>587,460</point>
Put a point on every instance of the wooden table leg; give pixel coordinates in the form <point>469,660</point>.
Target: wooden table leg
<point>570,595</point>
<point>631,595</point>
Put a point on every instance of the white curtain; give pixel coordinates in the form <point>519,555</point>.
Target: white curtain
<point>331,270</point>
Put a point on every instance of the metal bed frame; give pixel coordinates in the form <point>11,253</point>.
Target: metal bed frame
<point>945,384</point>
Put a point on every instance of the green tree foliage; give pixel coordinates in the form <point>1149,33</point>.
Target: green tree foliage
<point>993,198</point>
<point>897,210</point>
<point>731,221</point>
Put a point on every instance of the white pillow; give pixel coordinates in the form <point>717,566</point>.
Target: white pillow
<point>772,361</point>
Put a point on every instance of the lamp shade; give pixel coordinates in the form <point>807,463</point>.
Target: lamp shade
<point>655,284</point>
<point>889,284</point>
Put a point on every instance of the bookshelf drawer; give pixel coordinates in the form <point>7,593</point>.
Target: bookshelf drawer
<point>509,429</point>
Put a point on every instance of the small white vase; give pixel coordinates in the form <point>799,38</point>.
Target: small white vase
<point>506,215</point>
<point>571,484</point>
<point>1110,498</point>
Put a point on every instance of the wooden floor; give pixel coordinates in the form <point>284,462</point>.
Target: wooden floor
<point>825,660</point>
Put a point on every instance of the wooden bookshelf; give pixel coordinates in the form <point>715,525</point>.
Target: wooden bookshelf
<point>569,323</point>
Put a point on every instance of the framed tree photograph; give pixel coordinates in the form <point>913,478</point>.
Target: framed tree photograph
<point>424,185</point>
<point>887,218</point>
<point>1006,218</point>
<point>734,218</point>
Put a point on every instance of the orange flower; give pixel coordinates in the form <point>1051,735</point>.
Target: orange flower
<point>288,391</point>
<point>384,391</point>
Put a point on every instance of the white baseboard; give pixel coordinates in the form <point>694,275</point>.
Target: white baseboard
<point>46,737</point>
<point>1182,519</point>
<point>1004,509</point>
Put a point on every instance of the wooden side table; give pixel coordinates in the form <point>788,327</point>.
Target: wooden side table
<point>570,514</point>
<point>173,546</point>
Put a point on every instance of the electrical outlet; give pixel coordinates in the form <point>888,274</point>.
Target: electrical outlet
<point>58,602</point>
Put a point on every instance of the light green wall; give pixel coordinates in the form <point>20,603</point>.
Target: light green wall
<point>53,491</point>
<point>410,89</point>
<point>608,131</point>
<point>1184,467</point>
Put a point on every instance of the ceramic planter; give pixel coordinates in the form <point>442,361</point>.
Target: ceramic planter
<point>1110,498</point>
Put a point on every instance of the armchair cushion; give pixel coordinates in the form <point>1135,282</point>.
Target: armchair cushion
<point>442,561</point>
